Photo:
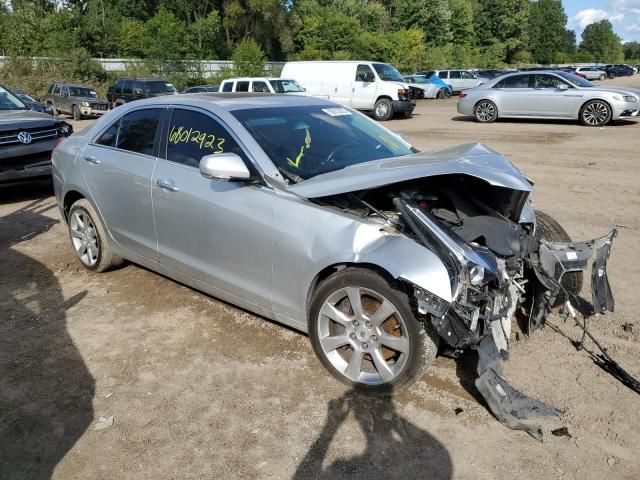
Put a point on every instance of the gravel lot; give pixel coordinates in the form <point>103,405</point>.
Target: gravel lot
<point>199,389</point>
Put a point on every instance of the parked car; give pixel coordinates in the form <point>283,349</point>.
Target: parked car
<point>32,103</point>
<point>262,85</point>
<point>428,88</point>
<point>550,95</point>
<point>489,74</point>
<point>590,73</point>
<point>127,90</point>
<point>458,79</point>
<point>436,80</point>
<point>201,89</point>
<point>614,71</point>
<point>27,138</point>
<point>76,100</point>
<point>313,215</point>
<point>377,88</point>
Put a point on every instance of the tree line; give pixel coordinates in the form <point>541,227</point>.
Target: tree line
<point>411,34</point>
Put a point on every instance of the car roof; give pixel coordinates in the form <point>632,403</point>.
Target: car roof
<point>238,101</point>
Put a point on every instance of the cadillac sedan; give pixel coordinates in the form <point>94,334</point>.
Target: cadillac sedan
<point>553,95</point>
<point>313,215</point>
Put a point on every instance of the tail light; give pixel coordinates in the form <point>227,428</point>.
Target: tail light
<point>463,94</point>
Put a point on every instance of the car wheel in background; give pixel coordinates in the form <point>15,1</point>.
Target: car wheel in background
<point>75,111</point>
<point>485,111</point>
<point>383,110</point>
<point>89,238</point>
<point>595,113</point>
<point>365,333</point>
<point>612,74</point>
<point>603,76</point>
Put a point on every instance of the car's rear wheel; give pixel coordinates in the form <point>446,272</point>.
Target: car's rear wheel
<point>365,333</point>
<point>486,111</point>
<point>444,93</point>
<point>383,110</point>
<point>89,238</point>
<point>595,113</point>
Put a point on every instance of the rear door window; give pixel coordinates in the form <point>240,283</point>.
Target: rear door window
<point>242,86</point>
<point>444,74</point>
<point>260,87</point>
<point>138,131</point>
<point>227,87</point>
<point>127,87</point>
<point>455,74</point>
<point>467,75</point>
<point>192,135</point>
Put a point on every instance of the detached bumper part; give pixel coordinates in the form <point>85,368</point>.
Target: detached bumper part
<point>510,406</point>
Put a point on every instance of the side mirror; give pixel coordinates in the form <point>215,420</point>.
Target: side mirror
<point>224,167</point>
<point>563,86</point>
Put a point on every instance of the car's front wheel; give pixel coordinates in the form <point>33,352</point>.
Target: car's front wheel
<point>486,111</point>
<point>595,113</point>
<point>89,238</point>
<point>365,333</point>
<point>383,110</point>
<point>603,76</point>
<point>75,111</point>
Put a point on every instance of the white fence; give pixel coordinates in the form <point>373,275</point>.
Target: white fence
<point>207,68</point>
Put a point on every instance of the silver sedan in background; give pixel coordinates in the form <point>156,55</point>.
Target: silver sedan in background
<point>313,215</point>
<point>554,95</point>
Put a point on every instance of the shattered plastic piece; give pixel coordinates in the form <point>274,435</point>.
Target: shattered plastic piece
<point>104,422</point>
<point>510,406</point>
<point>561,432</point>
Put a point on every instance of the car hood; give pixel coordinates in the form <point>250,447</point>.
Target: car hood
<point>14,119</point>
<point>471,159</point>
<point>90,99</point>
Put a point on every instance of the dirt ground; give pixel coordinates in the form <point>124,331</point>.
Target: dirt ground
<point>199,389</point>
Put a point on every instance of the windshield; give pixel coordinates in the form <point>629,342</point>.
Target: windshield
<point>420,80</point>
<point>576,80</point>
<point>286,86</point>
<point>307,141</point>
<point>82,92</point>
<point>387,72</point>
<point>8,101</point>
<point>160,87</point>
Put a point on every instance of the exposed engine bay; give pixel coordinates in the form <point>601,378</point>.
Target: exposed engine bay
<point>499,262</point>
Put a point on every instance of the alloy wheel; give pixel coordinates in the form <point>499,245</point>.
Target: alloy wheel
<point>363,335</point>
<point>84,238</point>
<point>485,111</point>
<point>596,113</point>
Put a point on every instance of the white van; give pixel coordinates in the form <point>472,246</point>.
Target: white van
<point>369,86</point>
<point>261,85</point>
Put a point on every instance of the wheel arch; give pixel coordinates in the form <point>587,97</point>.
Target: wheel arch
<point>71,197</point>
<point>487,99</point>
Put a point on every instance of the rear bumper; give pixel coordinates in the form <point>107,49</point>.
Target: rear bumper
<point>403,106</point>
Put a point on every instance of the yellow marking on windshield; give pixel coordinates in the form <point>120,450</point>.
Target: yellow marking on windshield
<point>307,144</point>
<point>389,142</point>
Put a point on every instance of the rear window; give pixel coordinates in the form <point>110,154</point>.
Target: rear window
<point>160,86</point>
<point>242,86</point>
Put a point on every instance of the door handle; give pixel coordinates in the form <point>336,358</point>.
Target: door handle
<point>167,185</point>
<point>92,159</point>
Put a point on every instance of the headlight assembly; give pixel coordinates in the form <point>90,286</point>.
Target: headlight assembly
<point>629,98</point>
<point>85,104</point>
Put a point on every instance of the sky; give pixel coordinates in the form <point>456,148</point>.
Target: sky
<point>624,15</point>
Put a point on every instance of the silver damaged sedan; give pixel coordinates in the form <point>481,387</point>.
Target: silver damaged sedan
<point>313,215</point>
<point>553,95</point>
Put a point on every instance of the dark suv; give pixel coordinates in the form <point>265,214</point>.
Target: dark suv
<point>76,100</point>
<point>129,89</point>
<point>614,71</point>
<point>27,139</point>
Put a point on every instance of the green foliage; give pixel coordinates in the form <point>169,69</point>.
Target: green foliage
<point>248,59</point>
<point>547,21</point>
<point>602,43</point>
<point>631,52</point>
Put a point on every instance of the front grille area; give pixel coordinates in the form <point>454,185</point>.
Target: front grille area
<point>25,161</point>
<point>10,137</point>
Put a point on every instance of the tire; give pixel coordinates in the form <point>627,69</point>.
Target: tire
<point>602,77</point>
<point>417,342</point>
<point>443,93</point>
<point>100,258</point>
<point>447,93</point>
<point>75,112</point>
<point>383,110</point>
<point>552,231</point>
<point>612,74</point>
<point>485,111</point>
<point>595,113</point>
